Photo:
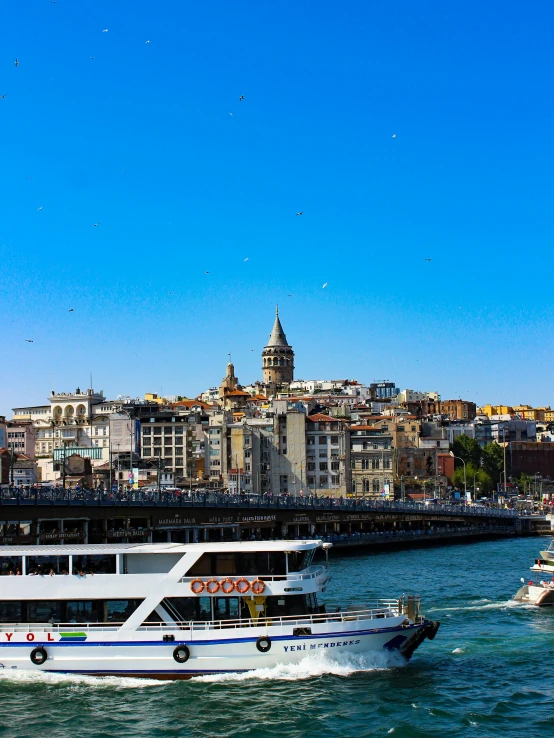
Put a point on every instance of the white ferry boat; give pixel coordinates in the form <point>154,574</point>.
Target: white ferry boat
<point>540,589</point>
<point>173,611</point>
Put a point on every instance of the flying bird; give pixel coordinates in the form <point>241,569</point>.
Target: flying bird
<point>231,114</point>
<point>394,135</point>
<point>206,272</point>
<point>91,57</point>
<point>105,30</point>
<point>289,295</point>
<point>96,224</point>
<point>16,62</point>
<point>241,98</point>
<point>3,96</point>
<point>300,213</point>
<point>247,258</point>
<point>325,285</point>
<point>147,42</point>
<point>40,208</point>
<point>29,340</point>
<point>427,259</point>
<point>71,310</point>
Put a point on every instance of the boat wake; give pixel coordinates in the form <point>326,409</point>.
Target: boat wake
<point>29,677</point>
<point>485,605</point>
<point>315,665</point>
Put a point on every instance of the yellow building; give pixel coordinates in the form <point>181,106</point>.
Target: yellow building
<point>153,397</point>
<point>490,410</point>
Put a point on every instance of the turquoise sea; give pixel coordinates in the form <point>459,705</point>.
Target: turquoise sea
<point>487,673</point>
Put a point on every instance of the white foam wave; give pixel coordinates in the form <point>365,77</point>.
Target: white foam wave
<point>312,666</point>
<point>458,650</point>
<point>508,604</point>
<point>29,676</point>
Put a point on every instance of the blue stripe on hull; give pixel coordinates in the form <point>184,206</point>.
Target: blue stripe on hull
<point>177,641</point>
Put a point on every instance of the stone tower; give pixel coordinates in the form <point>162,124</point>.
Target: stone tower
<point>278,356</point>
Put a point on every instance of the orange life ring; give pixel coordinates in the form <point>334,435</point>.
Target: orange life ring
<point>242,585</point>
<point>227,586</point>
<point>257,586</point>
<point>197,586</point>
<point>212,586</point>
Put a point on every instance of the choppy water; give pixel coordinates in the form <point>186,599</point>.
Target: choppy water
<point>487,673</point>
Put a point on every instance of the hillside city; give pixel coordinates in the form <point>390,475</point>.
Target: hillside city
<point>282,436</point>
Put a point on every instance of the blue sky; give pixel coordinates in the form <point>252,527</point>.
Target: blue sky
<point>140,140</point>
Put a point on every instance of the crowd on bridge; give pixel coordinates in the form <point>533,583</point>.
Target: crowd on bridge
<point>36,494</point>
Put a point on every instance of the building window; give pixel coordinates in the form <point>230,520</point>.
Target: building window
<point>323,480</point>
<point>310,466</point>
<point>323,466</point>
<point>334,440</point>
<point>365,463</point>
<point>335,479</point>
<point>386,462</point>
<point>311,481</point>
<point>335,466</point>
<point>311,441</point>
<point>376,485</point>
<point>322,440</point>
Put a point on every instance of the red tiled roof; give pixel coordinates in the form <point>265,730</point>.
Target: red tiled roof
<point>191,403</point>
<point>237,393</point>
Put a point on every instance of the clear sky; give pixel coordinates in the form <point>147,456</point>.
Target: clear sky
<point>140,139</point>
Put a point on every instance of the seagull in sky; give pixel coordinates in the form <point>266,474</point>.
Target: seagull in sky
<point>206,272</point>
<point>71,310</point>
<point>394,135</point>
<point>325,285</point>
<point>247,258</point>
<point>105,30</point>
<point>40,208</point>
<point>96,224</point>
<point>428,259</point>
<point>289,295</point>
<point>16,63</point>
<point>2,96</point>
<point>231,114</point>
<point>147,42</point>
<point>300,213</point>
<point>29,340</point>
<point>91,57</point>
<point>241,98</point>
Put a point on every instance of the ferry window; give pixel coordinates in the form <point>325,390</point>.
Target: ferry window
<point>226,608</point>
<point>225,564</point>
<point>84,612</point>
<point>262,562</point>
<point>299,560</point>
<point>10,565</point>
<point>119,610</point>
<point>94,564</point>
<point>189,608</point>
<point>10,612</point>
<point>202,567</point>
<point>41,565</point>
<point>47,611</point>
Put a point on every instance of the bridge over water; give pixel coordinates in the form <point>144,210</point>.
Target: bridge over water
<point>55,516</point>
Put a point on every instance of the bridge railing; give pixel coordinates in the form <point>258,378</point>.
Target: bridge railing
<point>215,499</point>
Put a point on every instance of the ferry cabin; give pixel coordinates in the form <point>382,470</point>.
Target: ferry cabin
<point>110,583</point>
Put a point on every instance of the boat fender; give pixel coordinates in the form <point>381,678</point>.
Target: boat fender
<point>38,656</point>
<point>263,644</point>
<point>257,586</point>
<point>181,653</point>
<point>433,629</point>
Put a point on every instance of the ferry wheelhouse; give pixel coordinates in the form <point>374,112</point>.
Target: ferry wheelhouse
<point>540,589</point>
<point>173,611</point>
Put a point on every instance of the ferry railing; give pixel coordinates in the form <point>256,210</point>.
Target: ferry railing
<point>387,608</point>
<point>382,609</point>
<point>313,572</point>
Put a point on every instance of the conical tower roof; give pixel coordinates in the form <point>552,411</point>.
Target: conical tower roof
<point>277,337</point>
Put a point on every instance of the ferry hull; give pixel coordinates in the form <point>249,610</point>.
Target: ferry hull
<point>153,659</point>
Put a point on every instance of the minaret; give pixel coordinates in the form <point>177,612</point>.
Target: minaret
<point>278,356</point>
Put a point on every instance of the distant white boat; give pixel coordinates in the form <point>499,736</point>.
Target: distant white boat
<point>540,589</point>
<point>173,611</point>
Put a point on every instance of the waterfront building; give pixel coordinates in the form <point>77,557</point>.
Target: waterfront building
<point>371,460</point>
<point>21,438</point>
<point>328,468</point>
<point>383,390</point>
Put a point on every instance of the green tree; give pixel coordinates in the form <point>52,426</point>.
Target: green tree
<point>467,449</point>
<point>493,461</point>
<point>475,475</point>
